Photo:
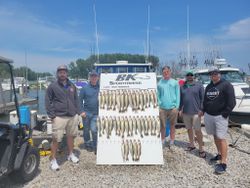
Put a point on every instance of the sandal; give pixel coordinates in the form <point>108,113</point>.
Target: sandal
<point>202,154</point>
<point>189,148</point>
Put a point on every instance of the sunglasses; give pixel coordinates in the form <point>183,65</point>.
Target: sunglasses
<point>189,75</point>
<point>213,73</point>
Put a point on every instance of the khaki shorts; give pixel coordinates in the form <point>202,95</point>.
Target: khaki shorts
<point>192,121</point>
<point>168,114</point>
<point>63,124</point>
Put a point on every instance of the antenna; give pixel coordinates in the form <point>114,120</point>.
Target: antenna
<point>96,35</point>
<point>148,35</point>
<point>188,42</point>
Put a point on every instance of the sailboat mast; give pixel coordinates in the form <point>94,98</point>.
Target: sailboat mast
<point>148,35</point>
<point>96,35</point>
<point>188,41</point>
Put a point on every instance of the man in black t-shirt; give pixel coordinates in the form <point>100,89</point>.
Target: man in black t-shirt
<point>219,101</point>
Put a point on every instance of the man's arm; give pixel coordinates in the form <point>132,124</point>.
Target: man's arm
<point>81,99</point>
<point>230,100</point>
<point>49,97</point>
<point>177,92</point>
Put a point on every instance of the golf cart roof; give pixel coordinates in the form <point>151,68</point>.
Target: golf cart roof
<point>5,60</point>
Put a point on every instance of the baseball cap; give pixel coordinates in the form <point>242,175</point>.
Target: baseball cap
<point>213,69</point>
<point>93,73</point>
<point>189,72</point>
<point>62,67</point>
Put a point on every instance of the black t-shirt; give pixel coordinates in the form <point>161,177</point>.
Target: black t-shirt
<point>219,98</point>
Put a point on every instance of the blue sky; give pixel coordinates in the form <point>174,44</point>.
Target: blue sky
<point>55,32</point>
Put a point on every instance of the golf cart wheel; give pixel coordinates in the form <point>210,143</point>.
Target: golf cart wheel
<point>29,167</point>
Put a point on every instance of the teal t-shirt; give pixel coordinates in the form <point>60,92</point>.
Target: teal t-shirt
<point>168,92</point>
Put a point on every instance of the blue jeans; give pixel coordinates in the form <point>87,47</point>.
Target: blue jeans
<point>89,124</point>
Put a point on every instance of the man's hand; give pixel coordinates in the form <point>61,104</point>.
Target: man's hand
<point>83,114</point>
<point>200,113</point>
<point>180,113</point>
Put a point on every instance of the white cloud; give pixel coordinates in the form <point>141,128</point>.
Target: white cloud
<point>238,30</point>
<point>19,28</point>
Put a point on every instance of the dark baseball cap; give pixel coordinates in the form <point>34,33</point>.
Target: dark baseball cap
<point>93,73</point>
<point>213,69</point>
<point>62,67</point>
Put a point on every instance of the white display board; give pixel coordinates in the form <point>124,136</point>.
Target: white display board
<point>128,124</point>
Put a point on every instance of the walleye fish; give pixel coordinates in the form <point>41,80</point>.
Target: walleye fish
<point>130,100</point>
<point>137,99</point>
<point>134,121</point>
<point>110,126</point>
<point>134,101</point>
<point>145,126</point>
<point>118,101</point>
<point>103,124</point>
<point>126,125</point>
<point>158,126</point>
<point>99,126</point>
<point>126,102</point>
<point>141,101</point>
<point>139,150</point>
<point>118,124</point>
<point>154,98</point>
<point>139,126</point>
<point>150,128</point>
<point>114,124</point>
<point>131,149</point>
<point>113,100</point>
<point>122,127</point>
<point>126,149</point>
<point>148,98</point>
<point>100,99</point>
<point>144,99</point>
<point>123,151</point>
<point>122,101</point>
<point>107,126</point>
<point>135,148</point>
<point>130,124</point>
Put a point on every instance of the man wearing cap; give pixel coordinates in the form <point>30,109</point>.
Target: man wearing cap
<point>192,94</point>
<point>89,111</point>
<point>219,101</point>
<point>168,91</point>
<point>62,107</point>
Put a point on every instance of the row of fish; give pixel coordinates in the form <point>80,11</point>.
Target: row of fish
<point>129,125</point>
<point>122,99</point>
<point>131,147</point>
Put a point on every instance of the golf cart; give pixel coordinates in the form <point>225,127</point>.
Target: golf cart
<point>18,158</point>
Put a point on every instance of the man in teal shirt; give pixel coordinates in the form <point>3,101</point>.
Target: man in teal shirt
<point>169,101</point>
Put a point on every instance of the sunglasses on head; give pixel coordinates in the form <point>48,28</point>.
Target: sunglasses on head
<point>189,75</point>
<point>213,73</point>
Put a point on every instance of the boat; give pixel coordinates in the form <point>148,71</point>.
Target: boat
<point>241,112</point>
<point>122,67</point>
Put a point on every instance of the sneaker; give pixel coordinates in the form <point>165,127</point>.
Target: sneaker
<point>171,146</point>
<point>54,165</point>
<point>220,168</point>
<point>216,158</point>
<point>73,158</point>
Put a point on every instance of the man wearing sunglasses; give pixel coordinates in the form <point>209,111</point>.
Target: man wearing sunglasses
<point>192,94</point>
<point>219,101</point>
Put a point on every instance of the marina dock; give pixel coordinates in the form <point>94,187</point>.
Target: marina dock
<point>7,107</point>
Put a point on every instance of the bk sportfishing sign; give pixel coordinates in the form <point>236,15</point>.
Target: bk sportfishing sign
<point>128,122</point>
<point>128,80</point>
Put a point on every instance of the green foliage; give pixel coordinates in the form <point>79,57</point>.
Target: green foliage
<point>31,75</point>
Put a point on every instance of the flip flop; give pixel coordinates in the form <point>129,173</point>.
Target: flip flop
<point>189,148</point>
<point>202,154</point>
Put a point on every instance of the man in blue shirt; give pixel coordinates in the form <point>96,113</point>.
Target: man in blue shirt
<point>89,111</point>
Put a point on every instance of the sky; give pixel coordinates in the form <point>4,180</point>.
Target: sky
<point>54,32</point>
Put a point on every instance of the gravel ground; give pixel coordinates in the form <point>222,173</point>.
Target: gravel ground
<point>181,169</point>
